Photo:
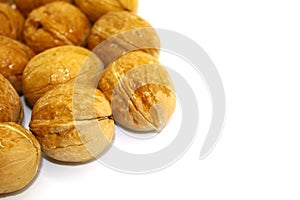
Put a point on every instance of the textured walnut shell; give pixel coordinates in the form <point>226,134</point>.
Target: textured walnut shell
<point>26,6</point>
<point>11,107</point>
<point>14,56</point>
<point>120,32</point>
<point>94,9</point>
<point>140,90</point>
<point>59,65</point>
<point>73,123</point>
<point>56,24</point>
<point>12,22</point>
<point>20,155</point>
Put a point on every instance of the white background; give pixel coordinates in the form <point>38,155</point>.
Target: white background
<point>255,46</point>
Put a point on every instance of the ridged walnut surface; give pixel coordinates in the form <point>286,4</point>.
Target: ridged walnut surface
<point>20,155</point>
<point>12,22</point>
<point>26,6</point>
<point>73,123</point>
<point>122,31</point>
<point>59,65</point>
<point>140,90</point>
<point>94,9</point>
<point>56,24</point>
<point>14,56</point>
<point>11,108</point>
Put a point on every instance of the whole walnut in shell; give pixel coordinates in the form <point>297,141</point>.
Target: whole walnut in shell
<point>20,155</point>
<point>11,107</point>
<point>116,33</point>
<point>56,24</point>
<point>26,6</point>
<point>140,90</point>
<point>12,22</point>
<point>73,123</point>
<point>14,56</point>
<point>59,65</point>
<point>94,9</point>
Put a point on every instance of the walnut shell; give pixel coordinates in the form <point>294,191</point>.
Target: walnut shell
<point>14,56</point>
<point>11,107</point>
<point>140,90</point>
<point>94,9</point>
<point>12,22</point>
<point>59,65</point>
<point>26,6</point>
<point>120,32</point>
<point>20,155</point>
<point>73,123</point>
<point>56,24</point>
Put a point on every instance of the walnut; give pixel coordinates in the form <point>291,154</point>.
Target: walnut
<point>11,107</point>
<point>94,9</point>
<point>20,155</point>
<point>14,56</point>
<point>140,90</point>
<point>73,123</point>
<point>59,65</point>
<point>26,6</point>
<point>56,24</point>
<point>120,32</point>
<point>12,22</point>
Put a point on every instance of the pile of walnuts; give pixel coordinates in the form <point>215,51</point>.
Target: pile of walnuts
<point>83,66</point>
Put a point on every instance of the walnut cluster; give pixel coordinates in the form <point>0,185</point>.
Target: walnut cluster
<point>83,67</point>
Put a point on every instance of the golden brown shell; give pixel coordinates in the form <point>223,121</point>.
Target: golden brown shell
<point>59,65</point>
<point>12,22</point>
<point>73,123</point>
<point>20,155</point>
<point>11,107</point>
<point>14,56</point>
<point>140,90</point>
<point>26,6</point>
<point>122,32</point>
<point>56,24</point>
<point>94,9</point>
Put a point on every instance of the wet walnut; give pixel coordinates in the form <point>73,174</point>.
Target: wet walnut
<point>26,6</point>
<point>73,123</point>
<point>12,22</point>
<point>14,56</point>
<point>140,90</point>
<point>96,8</point>
<point>59,65</point>
<point>11,107</point>
<point>56,24</point>
<point>20,155</point>
<point>116,33</point>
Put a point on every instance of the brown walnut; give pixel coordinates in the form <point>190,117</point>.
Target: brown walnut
<point>94,9</point>
<point>11,107</point>
<point>116,33</point>
<point>26,6</point>
<point>14,56</point>
<point>12,22</point>
<point>59,65</point>
<point>20,155</point>
<point>56,24</point>
<point>73,123</point>
<point>140,90</point>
